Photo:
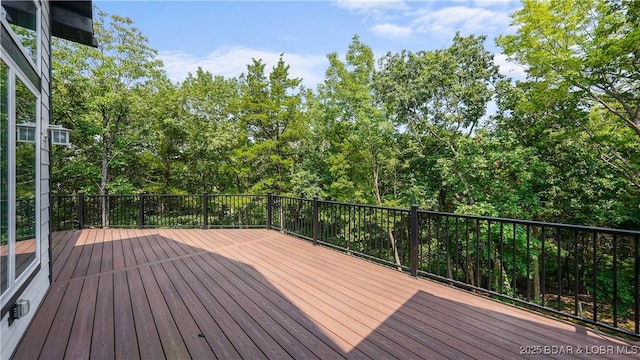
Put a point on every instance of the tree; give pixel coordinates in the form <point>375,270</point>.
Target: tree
<point>109,85</point>
<point>163,150</point>
<point>358,140</point>
<point>208,106</point>
<point>578,109</point>
<point>587,53</point>
<point>575,186</point>
<point>273,126</point>
<point>440,98</point>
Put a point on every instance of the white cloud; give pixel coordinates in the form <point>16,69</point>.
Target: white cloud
<point>467,20</point>
<point>232,61</point>
<point>504,4</point>
<point>509,68</point>
<point>371,6</point>
<point>375,9</point>
<point>392,31</point>
<point>438,20</point>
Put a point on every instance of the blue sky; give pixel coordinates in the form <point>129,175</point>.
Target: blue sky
<point>223,36</point>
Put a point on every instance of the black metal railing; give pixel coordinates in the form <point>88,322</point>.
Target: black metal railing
<point>64,212</point>
<point>590,274</point>
<point>157,211</point>
<point>292,216</point>
<point>587,273</point>
<point>25,218</point>
<point>378,233</point>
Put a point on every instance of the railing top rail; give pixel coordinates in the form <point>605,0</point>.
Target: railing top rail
<point>247,195</point>
<point>292,198</point>
<point>154,194</point>
<point>199,195</point>
<point>536,223</point>
<point>365,206</point>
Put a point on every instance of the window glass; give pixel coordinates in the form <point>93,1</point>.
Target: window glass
<point>26,133</point>
<point>25,218</point>
<point>60,137</point>
<point>23,17</point>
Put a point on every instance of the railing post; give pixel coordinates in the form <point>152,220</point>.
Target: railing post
<point>205,205</point>
<point>413,250</point>
<point>81,211</point>
<point>269,210</point>
<point>636,285</point>
<point>141,212</point>
<point>315,221</point>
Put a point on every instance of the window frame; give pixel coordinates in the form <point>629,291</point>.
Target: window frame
<point>21,66</point>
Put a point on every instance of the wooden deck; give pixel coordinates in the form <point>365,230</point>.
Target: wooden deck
<point>256,294</point>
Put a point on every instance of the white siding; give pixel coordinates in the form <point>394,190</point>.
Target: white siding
<point>44,151</point>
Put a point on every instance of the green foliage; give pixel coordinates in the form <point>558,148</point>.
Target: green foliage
<point>625,291</point>
<point>357,146</point>
<point>439,99</point>
<point>582,92</point>
<point>272,123</point>
<point>99,93</point>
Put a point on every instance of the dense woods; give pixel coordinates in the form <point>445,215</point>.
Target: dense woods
<point>439,128</point>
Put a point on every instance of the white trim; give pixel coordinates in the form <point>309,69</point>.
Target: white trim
<point>38,150</point>
<point>11,177</point>
<point>39,37</point>
<point>6,263</point>
<point>13,73</point>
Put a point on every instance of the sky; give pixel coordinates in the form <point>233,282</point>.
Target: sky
<point>223,36</point>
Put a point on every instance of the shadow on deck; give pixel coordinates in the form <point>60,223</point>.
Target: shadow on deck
<point>255,294</point>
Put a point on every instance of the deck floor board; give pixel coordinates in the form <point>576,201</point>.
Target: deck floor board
<point>258,294</point>
<point>103,341</point>
<point>148,338</point>
<point>126,340</point>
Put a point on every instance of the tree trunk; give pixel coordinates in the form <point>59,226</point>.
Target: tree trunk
<point>506,283</point>
<point>536,279</point>
<point>472,280</point>
<point>104,180</point>
<point>498,273</point>
<point>494,281</point>
<point>167,174</point>
<point>281,212</point>
<point>392,238</point>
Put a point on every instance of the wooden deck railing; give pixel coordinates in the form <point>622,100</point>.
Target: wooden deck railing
<point>585,273</point>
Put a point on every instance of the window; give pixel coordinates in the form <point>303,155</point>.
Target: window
<point>59,135</point>
<point>18,179</point>
<point>20,140</point>
<point>26,132</point>
<point>22,17</point>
